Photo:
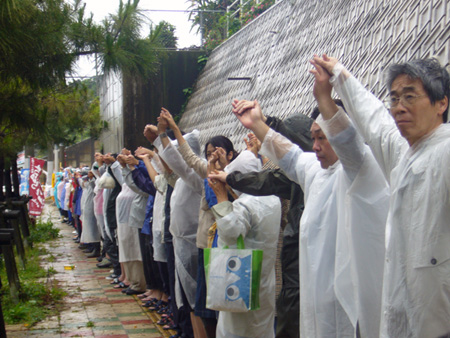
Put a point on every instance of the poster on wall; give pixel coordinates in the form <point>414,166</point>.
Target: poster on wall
<point>24,182</point>
<point>37,203</point>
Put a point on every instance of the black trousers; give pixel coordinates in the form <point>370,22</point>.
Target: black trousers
<point>112,250</point>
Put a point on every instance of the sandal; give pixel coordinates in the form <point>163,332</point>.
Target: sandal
<point>163,310</point>
<point>157,306</point>
<point>170,326</point>
<point>165,320</point>
<point>115,281</point>
<point>121,285</point>
<point>150,302</point>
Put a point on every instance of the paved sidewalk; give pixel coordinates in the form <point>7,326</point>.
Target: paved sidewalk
<point>92,308</point>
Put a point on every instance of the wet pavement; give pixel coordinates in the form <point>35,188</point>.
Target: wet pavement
<point>92,307</point>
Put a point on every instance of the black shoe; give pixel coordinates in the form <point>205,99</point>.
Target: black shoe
<point>82,246</point>
<point>100,258</point>
<point>125,290</point>
<point>88,251</point>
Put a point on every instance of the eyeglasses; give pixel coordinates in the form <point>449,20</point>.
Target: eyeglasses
<point>406,100</point>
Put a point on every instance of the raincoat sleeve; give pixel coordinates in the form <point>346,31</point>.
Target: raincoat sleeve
<point>261,183</point>
<point>117,171</point>
<point>371,119</point>
<point>346,142</point>
<point>288,156</point>
<point>128,178</point>
<point>233,220</point>
<point>143,182</point>
<point>174,160</point>
<point>195,162</point>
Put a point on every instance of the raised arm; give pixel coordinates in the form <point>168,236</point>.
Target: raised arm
<point>294,162</point>
<point>336,125</point>
<point>193,160</point>
<point>372,120</point>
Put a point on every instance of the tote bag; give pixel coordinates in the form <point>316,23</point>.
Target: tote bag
<point>232,278</point>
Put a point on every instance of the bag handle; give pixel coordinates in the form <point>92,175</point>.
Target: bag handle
<point>240,243</point>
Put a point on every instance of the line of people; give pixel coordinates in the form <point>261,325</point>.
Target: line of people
<point>359,191</point>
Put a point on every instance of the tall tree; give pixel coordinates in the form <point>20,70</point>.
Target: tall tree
<point>40,41</point>
<point>166,36</point>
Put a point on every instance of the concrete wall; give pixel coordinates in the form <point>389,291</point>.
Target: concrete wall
<point>273,51</point>
<point>111,106</point>
<point>129,103</point>
<point>143,99</point>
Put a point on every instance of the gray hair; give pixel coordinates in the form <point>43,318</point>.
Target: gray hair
<point>434,77</point>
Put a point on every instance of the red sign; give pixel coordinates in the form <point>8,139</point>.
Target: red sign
<point>37,203</point>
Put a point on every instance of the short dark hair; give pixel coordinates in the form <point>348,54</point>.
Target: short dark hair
<point>222,142</point>
<point>434,77</point>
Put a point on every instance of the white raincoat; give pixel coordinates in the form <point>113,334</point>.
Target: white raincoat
<point>416,291</point>
<point>257,219</point>
<point>341,232</point>
<point>184,213</point>
<point>90,233</point>
<point>159,250</point>
<point>127,237</point>
<point>98,200</point>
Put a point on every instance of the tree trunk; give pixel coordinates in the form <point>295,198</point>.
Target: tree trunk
<point>2,170</point>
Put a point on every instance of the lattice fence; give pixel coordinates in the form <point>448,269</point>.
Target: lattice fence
<point>268,59</point>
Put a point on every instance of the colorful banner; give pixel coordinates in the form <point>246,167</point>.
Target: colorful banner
<point>24,182</point>
<point>37,203</point>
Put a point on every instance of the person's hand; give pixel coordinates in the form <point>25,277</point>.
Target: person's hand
<point>90,174</point>
<point>222,160</point>
<point>326,62</point>
<point>144,151</point>
<point>125,151</point>
<point>213,158</point>
<point>121,159</point>
<point>218,160</point>
<point>150,132</point>
<point>322,87</point>
<point>169,118</point>
<point>219,188</point>
<point>108,159</point>
<point>253,144</point>
<point>248,112</point>
<point>162,124</point>
<point>218,176</point>
<point>131,160</point>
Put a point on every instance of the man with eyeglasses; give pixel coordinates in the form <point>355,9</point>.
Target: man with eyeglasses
<point>412,146</point>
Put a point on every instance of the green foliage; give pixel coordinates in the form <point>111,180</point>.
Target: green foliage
<point>39,295</point>
<point>90,324</point>
<point>166,37</point>
<point>218,25</point>
<point>43,232</point>
<point>39,44</point>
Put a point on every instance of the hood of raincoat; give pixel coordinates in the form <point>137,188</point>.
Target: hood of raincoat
<point>245,162</point>
<point>192,139</point>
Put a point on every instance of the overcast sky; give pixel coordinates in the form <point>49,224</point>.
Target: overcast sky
<point>102,8</point>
